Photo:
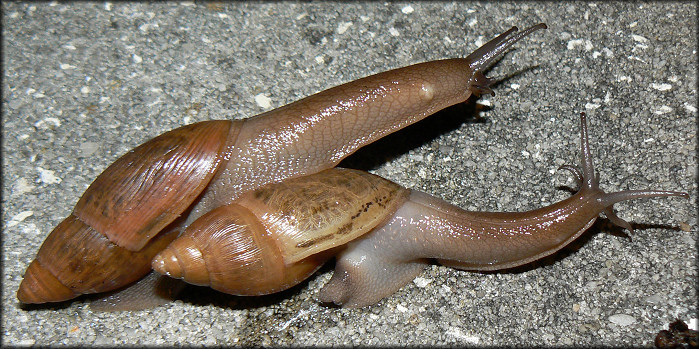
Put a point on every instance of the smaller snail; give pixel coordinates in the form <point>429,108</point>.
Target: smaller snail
<point>276,236</point>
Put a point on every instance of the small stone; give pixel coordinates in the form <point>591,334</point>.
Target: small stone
<point>622,319</point>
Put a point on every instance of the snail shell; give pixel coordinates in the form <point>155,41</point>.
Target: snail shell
<point>274,237</point>
<point>110,232</point>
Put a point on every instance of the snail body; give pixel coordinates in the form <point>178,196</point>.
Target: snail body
<point>154,192</point>
<point>383,234</point>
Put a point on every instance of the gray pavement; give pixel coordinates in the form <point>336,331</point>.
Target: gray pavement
<point>85,82</point>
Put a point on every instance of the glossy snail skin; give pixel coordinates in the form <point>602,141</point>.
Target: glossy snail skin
<point>385,234</point>
<point>425,227</point>
<point>154,192</point>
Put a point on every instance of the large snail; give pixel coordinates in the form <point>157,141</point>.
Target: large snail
<point>140,203</point>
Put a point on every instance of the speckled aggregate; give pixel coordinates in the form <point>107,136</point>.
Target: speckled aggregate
<point>85,82</point>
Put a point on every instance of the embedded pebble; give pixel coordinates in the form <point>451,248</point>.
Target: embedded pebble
<point>622,319</point>
<point>18,218</point>
<point>48,176</point>
<point>263,101</point>
<point>421,282</point>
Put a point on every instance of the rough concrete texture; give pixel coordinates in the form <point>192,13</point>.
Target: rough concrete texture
<point>85,82</point>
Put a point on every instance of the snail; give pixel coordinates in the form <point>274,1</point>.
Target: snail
<point>144,200</point>
<point>274,237</point>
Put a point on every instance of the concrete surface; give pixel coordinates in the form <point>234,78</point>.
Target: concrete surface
<point>85,82</point>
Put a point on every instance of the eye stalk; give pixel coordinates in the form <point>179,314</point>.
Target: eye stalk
<point>485,55</point>
<point>588,181</point>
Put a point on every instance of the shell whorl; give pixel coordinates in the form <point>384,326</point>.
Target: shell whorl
<point>75,259</point>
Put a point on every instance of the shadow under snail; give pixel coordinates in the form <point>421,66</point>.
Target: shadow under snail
<point>255,206</point>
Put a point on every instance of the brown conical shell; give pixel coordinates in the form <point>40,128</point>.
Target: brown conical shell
<point>150,186</point>
<point>107,242</point>
<point>228,250</point>
<point>75,259</point>
<point>277,236</point>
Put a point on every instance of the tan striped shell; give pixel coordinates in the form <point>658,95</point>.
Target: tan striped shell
<point>274,237</point>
